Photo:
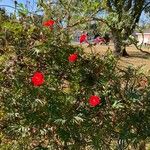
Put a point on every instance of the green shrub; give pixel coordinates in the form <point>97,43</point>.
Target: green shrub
<point>57,114</point>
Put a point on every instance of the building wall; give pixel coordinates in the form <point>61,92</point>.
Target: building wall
<point>146,38</point>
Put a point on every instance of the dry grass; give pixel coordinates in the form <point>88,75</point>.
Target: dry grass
<point>136,58</point>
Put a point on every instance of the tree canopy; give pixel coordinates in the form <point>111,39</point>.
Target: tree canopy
<point>120,16</point>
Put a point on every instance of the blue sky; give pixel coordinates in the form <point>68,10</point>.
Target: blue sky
<point>11,3</point>
<point>32,5</point>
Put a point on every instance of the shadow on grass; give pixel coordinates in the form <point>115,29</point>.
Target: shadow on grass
<point>138,54</point>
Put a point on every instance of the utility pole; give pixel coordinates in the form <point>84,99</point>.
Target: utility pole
<point>15,2</point>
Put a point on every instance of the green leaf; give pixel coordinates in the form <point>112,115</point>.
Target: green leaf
<point>78,119</point>
<point>60,121</point>
<point>117,105</point>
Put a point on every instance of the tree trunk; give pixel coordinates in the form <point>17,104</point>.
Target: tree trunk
<point>119,46</point>
<point>124,52</point>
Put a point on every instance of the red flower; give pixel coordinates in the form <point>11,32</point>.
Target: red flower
<point>83,38</point>
<point>94,100</point>
<point>37,79</point>
<point>49,23</point>
<point>73,57</point>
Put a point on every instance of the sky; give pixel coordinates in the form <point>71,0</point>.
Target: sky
<point>32,5</point>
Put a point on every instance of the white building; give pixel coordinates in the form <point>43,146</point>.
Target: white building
<point>144,37</point>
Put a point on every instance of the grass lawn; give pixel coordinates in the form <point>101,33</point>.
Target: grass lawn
<point>136,58</point>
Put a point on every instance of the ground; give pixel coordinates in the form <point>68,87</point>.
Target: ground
<point>136,57</point>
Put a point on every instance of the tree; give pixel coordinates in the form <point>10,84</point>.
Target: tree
<point>122,17</point>
<point>3,15</point>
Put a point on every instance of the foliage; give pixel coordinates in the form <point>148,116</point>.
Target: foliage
<point>57,114</point>
<point>122,18</point>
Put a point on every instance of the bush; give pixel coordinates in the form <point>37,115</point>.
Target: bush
<point>46,94</point>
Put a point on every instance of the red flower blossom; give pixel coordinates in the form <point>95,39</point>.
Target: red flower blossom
<point>73,57</point>
<point>94,100</point>
<point>83,38</point>
<point>49,23</point>
<point>37,79</point>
